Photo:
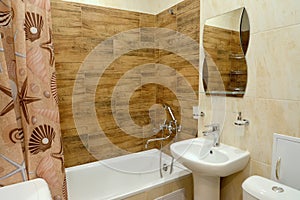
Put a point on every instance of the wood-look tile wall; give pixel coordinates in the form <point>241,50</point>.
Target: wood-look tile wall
<point>77,30</point>
<point>225,67</point>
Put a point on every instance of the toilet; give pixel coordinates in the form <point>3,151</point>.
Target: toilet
<point>259,188</point>
<point>36,189</point>
<point>285,176</point>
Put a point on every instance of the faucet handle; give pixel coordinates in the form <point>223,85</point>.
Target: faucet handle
<point>215,126</point>
<point>179,128</point>
<point>162,126</point>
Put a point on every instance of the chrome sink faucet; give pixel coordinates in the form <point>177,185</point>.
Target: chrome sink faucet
<point>215,131</point>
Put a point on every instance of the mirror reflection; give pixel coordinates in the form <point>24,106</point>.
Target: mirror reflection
<point>225,41</point>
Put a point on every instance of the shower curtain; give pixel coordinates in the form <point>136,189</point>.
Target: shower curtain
<point>30,137</point>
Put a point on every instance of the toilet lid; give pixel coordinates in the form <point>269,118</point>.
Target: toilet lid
<point>267,189</point>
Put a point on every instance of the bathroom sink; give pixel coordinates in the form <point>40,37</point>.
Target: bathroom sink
<point>208,164</point>
<point>198,155</point>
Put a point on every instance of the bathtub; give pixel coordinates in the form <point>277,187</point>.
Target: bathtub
<point>121,177</point>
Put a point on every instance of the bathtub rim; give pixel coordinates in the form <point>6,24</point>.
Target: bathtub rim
<point>106,162</point>
<point>182,173</point>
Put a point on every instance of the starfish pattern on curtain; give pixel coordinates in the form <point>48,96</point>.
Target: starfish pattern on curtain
<point>30,136</point>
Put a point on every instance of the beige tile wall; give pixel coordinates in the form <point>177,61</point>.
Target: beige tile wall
<point>272,99</point>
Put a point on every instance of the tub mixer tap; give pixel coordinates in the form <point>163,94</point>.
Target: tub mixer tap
<point>171,126</point>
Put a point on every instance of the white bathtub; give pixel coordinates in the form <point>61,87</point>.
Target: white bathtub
<point>120,177</point>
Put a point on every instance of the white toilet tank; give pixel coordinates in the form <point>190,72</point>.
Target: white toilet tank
<point>259,188</point>
<point>285,175</point>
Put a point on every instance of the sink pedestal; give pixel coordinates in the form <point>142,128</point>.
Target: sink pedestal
<point>206,187</point>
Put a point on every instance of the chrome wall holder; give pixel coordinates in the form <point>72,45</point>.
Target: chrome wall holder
<point>240,121</point>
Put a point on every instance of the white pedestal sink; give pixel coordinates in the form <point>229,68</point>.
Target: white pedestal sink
<point>208,164</point>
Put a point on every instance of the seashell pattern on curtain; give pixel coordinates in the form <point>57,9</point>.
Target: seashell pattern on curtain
<point>30,136</point>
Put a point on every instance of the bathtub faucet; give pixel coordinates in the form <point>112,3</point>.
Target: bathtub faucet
<point>168,108</point>
<point>155,139</point>
<point>158,139</point>
<point>171,126</point>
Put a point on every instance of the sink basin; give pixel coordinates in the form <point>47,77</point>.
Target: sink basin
<point>208,164</point>
<point>198,155</point>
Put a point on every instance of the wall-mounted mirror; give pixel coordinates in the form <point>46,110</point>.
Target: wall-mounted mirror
<point>225,41</point>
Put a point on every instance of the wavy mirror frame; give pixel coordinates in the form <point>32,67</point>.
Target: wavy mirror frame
<point>225,41</point>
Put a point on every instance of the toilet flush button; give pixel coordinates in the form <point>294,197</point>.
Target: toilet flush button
<point>277,189</point>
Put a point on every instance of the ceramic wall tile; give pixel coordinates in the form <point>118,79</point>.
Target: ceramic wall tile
<point>272,116</point>
<point>271,14</point>
<point>110,55</point>
<point>71,24</point>
<point>231,185</point>
<point>144,6</point>
<point>216,7</point>
<point>277,63</point>
<point>236,135</point>
<point>260,169</point>
<point>271,102</point>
